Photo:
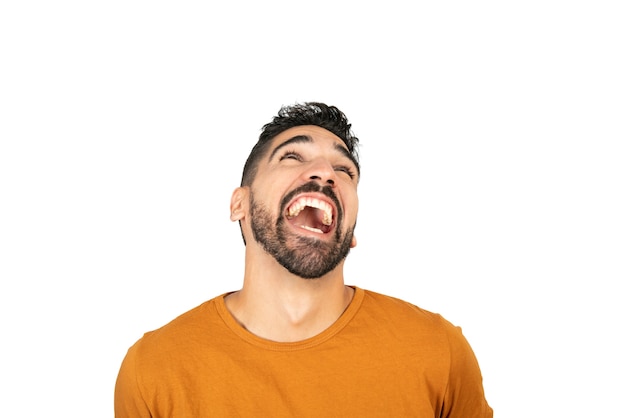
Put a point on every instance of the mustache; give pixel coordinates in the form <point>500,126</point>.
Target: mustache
<point>311,187</point>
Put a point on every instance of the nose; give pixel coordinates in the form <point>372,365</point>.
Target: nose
<point>321,170</point>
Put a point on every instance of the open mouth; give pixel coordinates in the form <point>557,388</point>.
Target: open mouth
<point>311,213</point>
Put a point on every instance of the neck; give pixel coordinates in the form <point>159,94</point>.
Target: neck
<point>286,308</point>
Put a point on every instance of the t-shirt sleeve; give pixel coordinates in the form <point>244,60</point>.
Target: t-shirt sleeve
<point>128,400</point>
<point>464,397</point>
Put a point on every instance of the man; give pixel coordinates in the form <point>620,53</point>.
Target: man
<point>296,341</point>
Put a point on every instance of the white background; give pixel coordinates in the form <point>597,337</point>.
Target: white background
<point>492,192</point>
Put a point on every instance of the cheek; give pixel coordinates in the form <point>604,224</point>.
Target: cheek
<point>269,194</point>
<point>353,210</point>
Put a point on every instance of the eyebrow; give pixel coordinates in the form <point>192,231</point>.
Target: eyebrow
<point>293,140</point>
<point>306,138</point>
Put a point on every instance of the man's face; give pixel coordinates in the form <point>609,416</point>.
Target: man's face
<point>303,201</point>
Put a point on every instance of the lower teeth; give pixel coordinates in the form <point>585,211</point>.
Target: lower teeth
<point>308,228</point>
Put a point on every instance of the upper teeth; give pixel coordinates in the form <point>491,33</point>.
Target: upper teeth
<point>301,203</point>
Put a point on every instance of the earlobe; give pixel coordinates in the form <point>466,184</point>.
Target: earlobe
<point>353,242</point>
<point>237,204</point>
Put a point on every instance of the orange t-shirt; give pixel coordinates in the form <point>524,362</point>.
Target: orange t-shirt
<point>382,358</point>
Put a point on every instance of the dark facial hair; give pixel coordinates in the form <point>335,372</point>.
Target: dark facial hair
<point>306,257</point>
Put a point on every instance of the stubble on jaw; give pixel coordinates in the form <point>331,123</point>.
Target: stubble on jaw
<point>304,256</point>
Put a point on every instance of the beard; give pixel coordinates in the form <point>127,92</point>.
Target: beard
<point>306,257</point>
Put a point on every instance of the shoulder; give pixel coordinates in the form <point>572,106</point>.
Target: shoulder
<point>183,331</point>
<point>397,308</point>
<point>434,344</point>
<point>410,319</point>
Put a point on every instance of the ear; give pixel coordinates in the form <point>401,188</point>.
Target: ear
<point>353,242</point>
<point>238,203</point>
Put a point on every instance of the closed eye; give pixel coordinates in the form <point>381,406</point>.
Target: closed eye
<point>291,155</point>
<point>345,169</point>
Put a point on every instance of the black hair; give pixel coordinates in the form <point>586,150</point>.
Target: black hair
<point>299,114</point>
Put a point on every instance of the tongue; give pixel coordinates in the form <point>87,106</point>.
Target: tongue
<point>312,218</point>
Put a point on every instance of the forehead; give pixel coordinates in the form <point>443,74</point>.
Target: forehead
<point>315,134</point>
<point>315,137</point>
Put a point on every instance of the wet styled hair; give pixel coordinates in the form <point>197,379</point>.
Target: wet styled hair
<point>299,114</point>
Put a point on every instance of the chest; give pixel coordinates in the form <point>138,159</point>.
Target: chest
<point>371,378</point>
